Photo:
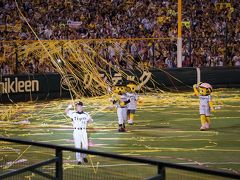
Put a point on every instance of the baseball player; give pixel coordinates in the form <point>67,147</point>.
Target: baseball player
<point>132,97</point>
<point>203,90</point>
<point>80,121</point>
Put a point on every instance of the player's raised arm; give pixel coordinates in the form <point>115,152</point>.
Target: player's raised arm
<point>68,111</point>
<point>68,108</point>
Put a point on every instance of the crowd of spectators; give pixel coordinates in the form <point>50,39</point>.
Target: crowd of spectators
<point>211,29</point>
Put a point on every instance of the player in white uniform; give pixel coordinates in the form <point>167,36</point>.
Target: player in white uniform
<point>119,99</point>
<point>132,98</point>
<point>80,121</point>
<point>203,90</point>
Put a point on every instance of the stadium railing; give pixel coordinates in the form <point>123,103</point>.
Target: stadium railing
<point>159,170</point>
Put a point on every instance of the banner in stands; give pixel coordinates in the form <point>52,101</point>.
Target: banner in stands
<point>48,86</point>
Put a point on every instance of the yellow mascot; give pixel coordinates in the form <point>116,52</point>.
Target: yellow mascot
<point>119,99</point>
<point>132,101</point>
<point>204,90</point>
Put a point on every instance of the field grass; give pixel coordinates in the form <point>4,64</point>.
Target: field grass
<point>166,128</point>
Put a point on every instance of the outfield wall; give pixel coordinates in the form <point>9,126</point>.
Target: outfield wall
<point>30,87</point>
<point>49,86</point>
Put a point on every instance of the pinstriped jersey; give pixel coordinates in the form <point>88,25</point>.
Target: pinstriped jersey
<point>79,119</point>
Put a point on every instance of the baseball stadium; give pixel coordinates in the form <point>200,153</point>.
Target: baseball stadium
<point>119,89</point>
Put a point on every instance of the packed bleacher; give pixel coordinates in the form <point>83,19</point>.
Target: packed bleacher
<point>211,29</point>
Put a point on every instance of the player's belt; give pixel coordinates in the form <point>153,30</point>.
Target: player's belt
<point>79,128</point>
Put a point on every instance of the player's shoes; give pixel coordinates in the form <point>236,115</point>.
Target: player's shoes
<point>79,162</point>
<point>202,128</point>
<point>207,126</point>
<point>130,122</point>
<point>85,160</point>
<point>121,129</point>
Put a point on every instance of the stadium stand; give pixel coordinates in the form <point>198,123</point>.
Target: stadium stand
<point>210,29</point>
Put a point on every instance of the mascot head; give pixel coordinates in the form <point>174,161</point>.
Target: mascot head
<point>205,89</point>
<point>131,86</point>
<point>120,88</point>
